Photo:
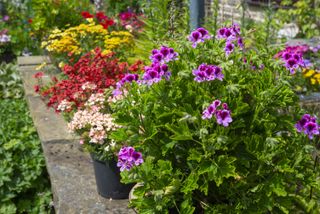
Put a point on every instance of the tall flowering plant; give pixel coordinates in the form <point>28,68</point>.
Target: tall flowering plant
<point>218,129</point>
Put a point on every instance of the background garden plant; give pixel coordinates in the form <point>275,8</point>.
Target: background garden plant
<point>24,183</point>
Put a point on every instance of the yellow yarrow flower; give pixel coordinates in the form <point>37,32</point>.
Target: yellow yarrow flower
<point>77,39</point>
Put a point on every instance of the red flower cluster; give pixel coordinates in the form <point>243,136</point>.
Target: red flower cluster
<point>86,15</point>
<point>104,20</point>
<point>94,68</point>
<point>130,19</point>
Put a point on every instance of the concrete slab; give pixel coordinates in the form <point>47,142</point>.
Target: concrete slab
<point>33,60</point>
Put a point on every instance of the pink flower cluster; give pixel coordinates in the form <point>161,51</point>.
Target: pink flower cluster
<point>65,106</point>
<point>96,100</point>
<point>98,123</point>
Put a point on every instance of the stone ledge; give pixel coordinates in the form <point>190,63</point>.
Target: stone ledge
<point>33,60</point>
<point>70,170</point>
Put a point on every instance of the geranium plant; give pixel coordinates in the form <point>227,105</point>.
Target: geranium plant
<point>218,134</point>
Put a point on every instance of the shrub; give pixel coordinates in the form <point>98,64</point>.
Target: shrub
<point>217,135</point>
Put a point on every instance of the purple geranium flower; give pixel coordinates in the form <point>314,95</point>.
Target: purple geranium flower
<point>204,33</point>
<point>128,157</point>
<point>311,129</point>
<point>236,29</point>
<point>157,58</point>
<point>231,36</point>
<point>208,112</point>
<point>292,60</point>
<point>221,33</point>
<point>199,35</point>
<point>218,73</point>
<point>165,54</point>
<point>223,117</point>
<point>240,42</point>
<point>207,73</point>
<point>229,48</point>
<point>128,78</point>
<point>308,125</point>
<point>168,54</point>
<point>154,73</point>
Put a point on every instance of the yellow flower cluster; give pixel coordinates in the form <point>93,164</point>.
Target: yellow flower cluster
<point>117,38</point>
<point>84,37</point>
<point>313,75</point>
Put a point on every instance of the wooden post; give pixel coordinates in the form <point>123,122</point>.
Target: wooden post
<point>196,13</point>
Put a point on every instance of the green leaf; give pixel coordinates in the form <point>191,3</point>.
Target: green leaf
<point>186,207</point>
<point>190,183</point>
<point>180,131</point>
<point>194,155</point>
<point>225,169</point>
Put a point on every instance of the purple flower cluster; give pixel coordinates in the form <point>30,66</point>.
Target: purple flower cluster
<point>128,78</point>
<point>207,73</point>
<point>158,68</point>
<point>293,60</point>
<point>128,157</point>
<point>308,125</point>
<point>231,35</point>
<point>223,116</point>
<point>198,36</point>
<point>164,54</point>
<point>155,72</point>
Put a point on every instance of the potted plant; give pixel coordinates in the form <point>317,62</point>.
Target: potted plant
<point>220,130</point>
<point>94,123</point>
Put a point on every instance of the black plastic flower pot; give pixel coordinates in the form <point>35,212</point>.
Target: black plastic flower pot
<point>108,180</point>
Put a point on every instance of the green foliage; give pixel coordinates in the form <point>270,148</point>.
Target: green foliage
<point>50,14</point>
<point>114,7</point>
<point>24,184</point>
<point>10,82</point>
<point>258,164</point>
<point>166,20</point>
<point>306,14</point>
